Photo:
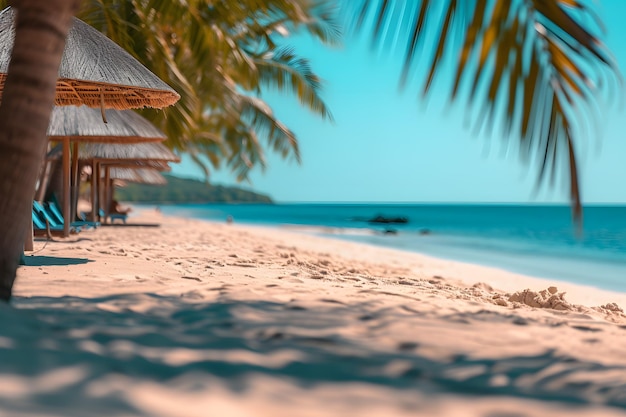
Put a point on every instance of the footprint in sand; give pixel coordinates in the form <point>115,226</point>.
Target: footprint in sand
<point>243,265</point>
<point>192,278</point>
<point>407,346</point>
<point>587,329</point>
<point>295,308</point>
<point>331,301</point>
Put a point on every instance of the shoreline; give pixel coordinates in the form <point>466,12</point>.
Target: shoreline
<point>508,263</point>
<point>460,272</point>
<point>465,273</point>
<point>581,263</point>
<point>195,317</point>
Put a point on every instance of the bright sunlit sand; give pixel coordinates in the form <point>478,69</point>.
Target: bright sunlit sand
<point>204,319</point>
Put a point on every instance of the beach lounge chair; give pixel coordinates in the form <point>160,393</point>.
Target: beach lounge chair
<point>83,217</point>
<point>41,226</point>
<point>113,216</point>
<point>55,212</point>
<point>47,217</point>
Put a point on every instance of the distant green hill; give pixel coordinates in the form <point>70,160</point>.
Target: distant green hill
<point>184,190</point>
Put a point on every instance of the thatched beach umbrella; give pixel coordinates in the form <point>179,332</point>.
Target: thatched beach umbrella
<point>138,155</point>
<point>160,166</point>
<point>84,124</point>
<point>108,155</point>
<point>128,170</point>
<point>94,71</point>
<point>120,153</point>
<point>138,175</point>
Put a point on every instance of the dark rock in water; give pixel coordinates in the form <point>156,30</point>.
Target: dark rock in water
<point>424,231</point>
<point>390,232</point>
<point>383,219</point>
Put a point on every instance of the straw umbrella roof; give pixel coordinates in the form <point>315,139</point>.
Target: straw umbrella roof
<point>94,71</point>
<point>151,151</point>
<point>57,152</point>
<point>85,124</point>
<point>161,166</point>
<point>138,175</point>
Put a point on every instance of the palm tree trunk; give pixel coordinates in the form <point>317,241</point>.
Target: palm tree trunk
<point>27,101</point>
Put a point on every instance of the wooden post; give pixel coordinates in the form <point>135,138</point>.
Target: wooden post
<point>101,192</point>
<point>75,183</point>
<point>29,244</point>
<point>29,241</point>
<point>99,198</point>
<point>66,187</point>
<point>94,198</point>
<point>107,191</point>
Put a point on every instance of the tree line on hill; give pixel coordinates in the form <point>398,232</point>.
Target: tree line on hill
<point>185,190</point>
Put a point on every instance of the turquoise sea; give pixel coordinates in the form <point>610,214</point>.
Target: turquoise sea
<point>531,239</point>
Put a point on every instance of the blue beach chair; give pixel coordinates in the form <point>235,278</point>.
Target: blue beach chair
<point>42,224</point>
<point>113,216</point>
<point>47,217</point>
<point>55,211</point>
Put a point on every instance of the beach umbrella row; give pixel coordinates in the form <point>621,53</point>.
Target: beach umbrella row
<point>127,162</point>
<point>94,72</point>
<point>120,176</point>
<point>71,124</point>
<point>104,156</point>
<point>114,153</point>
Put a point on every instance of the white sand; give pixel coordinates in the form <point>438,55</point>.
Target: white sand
<point>200,319</point>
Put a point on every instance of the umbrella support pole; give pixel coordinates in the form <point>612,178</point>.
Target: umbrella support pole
<point>107,191</point>
<point>94,187</point>
<point>100,189</point>
<point>29,242</point>
<point>75,182</point>
<point>66,188</point>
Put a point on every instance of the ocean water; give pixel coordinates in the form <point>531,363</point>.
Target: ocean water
<point>530,239</point>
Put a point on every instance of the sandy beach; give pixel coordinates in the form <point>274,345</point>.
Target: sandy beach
<point>176,317</point>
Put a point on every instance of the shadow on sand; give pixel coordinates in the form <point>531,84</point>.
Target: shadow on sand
<point>96,349</point>
<point>39,260</point>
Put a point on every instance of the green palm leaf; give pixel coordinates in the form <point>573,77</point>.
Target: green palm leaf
<point>285,71</point>
<point>532,64</point>
<point>214,52</point>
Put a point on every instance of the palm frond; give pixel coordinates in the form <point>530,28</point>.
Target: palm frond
<point>531,64</point>
<point>287,72</point>
<point>259,116</point>
<point>114,18</point>
<point>211,51</point>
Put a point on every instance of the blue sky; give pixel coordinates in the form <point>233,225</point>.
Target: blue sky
<point>392,146</point>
